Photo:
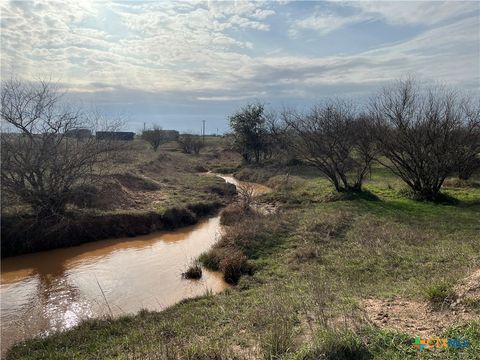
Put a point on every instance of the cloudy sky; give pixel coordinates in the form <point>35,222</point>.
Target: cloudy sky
<point>177,63</point>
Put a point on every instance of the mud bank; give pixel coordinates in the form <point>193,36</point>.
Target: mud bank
<point>24,235</point>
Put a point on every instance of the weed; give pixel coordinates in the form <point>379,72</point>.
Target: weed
<point>472,303</point>
<point>440,294</point>
<point>339,345</point>
<point>194,271</point>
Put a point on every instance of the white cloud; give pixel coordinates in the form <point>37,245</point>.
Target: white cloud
<point>425,13</point>
<point>415,12</point>
<point>197,51</point>
<point>324,22</point>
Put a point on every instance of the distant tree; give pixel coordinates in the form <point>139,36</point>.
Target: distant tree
<point>249,132</point>
<point>42,164</point>
<point>155,136</point>
<point>425,133</point>
<point>333,138</point>
<point>190,144</point>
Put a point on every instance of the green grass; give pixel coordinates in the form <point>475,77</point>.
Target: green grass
<point>440,294</point>
<point>304,299</point>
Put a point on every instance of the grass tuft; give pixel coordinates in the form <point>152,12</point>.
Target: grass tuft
<point>339,345</point>
<point>194,271</point>
<point>440,294</point>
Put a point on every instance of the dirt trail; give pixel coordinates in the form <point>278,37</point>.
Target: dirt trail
<point>419,318</point>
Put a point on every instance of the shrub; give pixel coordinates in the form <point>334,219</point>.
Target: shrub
<point>224,189</point>
<point>247,239</point>
<point>194,271</point>
<point>155,136</point>
<point>190,144</point>
<point>233,213</point>
<point>211,259</point>
<point>250,136</point>
<point>233,265</point>
<point>335,139</point>
<point>426,134</point>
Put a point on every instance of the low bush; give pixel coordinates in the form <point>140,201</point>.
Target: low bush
<point>211,259</point>
<point>200,168</point>
<point>233,265</point>
<point>234,213</point>
<point>194,271</point>
<point>225,189</point>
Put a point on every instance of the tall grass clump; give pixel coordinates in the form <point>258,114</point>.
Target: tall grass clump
<point>194,271</point>
<point>275,320</point>
<point>440,294</point>
<point>338,345</point>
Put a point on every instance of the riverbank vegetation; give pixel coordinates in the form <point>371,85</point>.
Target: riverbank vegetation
<point>345,258</point>
<point>317,266</point>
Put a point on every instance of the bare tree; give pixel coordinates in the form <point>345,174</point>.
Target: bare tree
<point>246,196</point>
<point>190,144</point>
<point>425,133</point>
<point>41,162</point>
<point>155,137</point>
<point>333,138</point>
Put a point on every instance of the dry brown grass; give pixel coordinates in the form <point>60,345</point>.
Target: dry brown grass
<point>247,238</point>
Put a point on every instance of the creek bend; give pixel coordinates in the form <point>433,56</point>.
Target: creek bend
<point>56,289</point>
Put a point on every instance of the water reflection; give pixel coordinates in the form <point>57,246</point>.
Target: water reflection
<point>54,290</point>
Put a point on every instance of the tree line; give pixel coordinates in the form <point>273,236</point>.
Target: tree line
<point>423,134</point>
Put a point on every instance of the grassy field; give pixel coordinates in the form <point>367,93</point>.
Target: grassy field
<point>320,263</point>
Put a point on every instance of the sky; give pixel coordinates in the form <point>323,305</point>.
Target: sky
<point>177,63</point>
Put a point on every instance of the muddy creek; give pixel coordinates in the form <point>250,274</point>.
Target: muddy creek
<point>55,290</point>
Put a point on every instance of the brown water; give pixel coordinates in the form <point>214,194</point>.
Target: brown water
<point>55,290</point>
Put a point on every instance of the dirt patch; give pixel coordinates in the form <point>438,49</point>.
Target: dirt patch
<point>469,287</point>
<point>418,317</point>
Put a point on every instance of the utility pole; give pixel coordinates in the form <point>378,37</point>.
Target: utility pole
<point>203,131</point>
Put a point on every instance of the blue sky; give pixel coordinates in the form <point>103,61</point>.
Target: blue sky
<point>177,63</point>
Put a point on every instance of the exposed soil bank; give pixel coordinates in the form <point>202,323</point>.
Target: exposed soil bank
<point>24,235</point>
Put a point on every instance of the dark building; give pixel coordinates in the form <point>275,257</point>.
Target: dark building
<point>78,133</point>
<point>115,135</point>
